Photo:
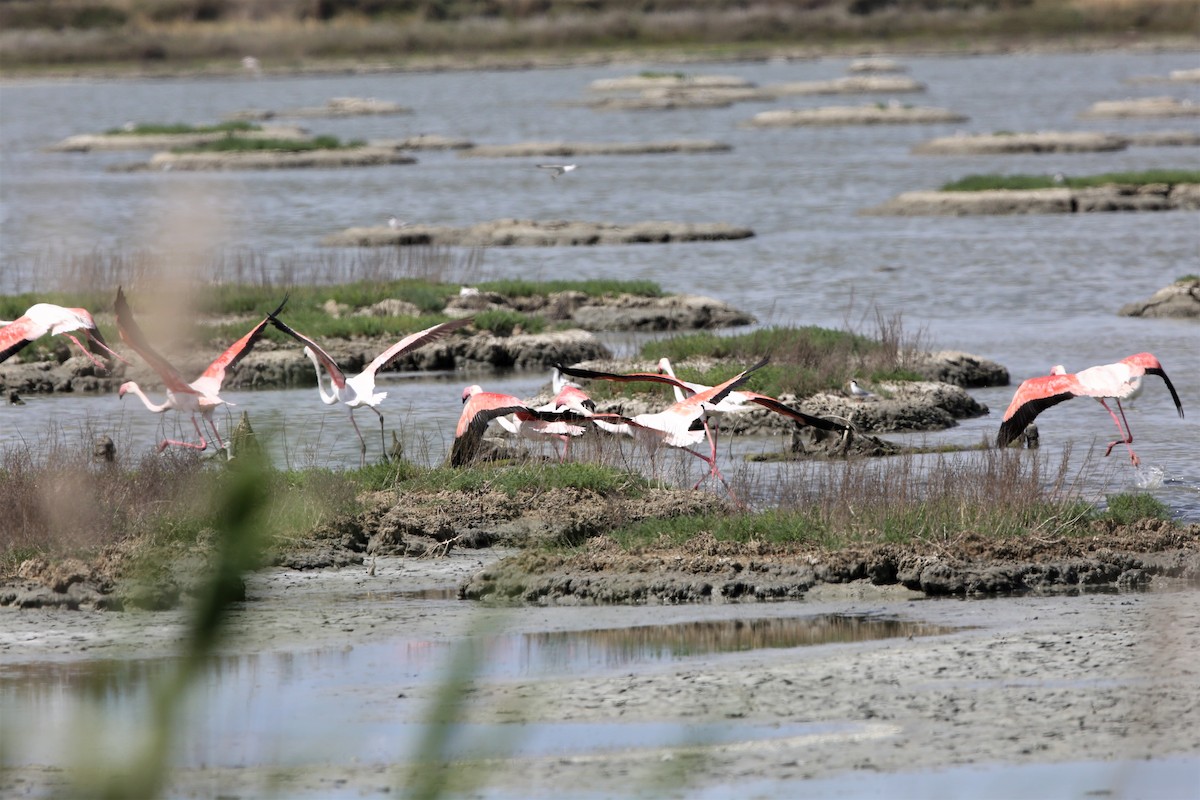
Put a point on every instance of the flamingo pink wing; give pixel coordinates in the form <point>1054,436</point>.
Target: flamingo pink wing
<point>415,340</point>
<point>766,401</point>
<point>1033,397</point>
<point>326,360</point>
<point>17,334</point>
<point>131,334</point>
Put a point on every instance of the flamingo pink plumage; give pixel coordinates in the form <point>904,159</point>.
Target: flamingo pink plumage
<point>1119,381</point>
<point>46,318</point>
<point>201,396</point>
<point>679,425</point>
<point>358,391</point>
<point>480,408</point>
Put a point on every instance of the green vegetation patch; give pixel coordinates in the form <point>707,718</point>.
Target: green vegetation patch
<point>1130,507</point>
<point>155,128</point>
<point>241,144</point>
<point>593,288</point>
<point>803,360</point>
<point>977,183</point>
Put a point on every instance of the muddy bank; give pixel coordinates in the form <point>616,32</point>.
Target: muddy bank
<point>708,571</point>
<point>1051,142</point>
<point>853,84</point>
<point>424,141</point>
<point>1180,300</point>
<point>1042,142</point>
<point>1142,108</point>
<point>269,159</point>
<point>571,149</point>
<point>537,233</point>
<point>672,80</point>
<point>881,114</point>
<point>335,108</point>
<point>595,570</point>
<point>1150,197</point>
<point>87,142</point>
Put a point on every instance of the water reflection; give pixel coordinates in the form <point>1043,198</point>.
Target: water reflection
<point>279,707</point>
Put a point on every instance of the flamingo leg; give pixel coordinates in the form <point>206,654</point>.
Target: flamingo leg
<point>86,352</point>
<point>382,446</point>
<point>217,435</point>
<point>362,458</point>
<point>714,471</point>
<point>201,445</point>
<point>1126,433</point>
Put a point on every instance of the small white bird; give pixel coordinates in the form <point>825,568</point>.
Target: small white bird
<point>252,65</point>
<point>396,224</point>
<point>859,393</point>
<point>558,169</point>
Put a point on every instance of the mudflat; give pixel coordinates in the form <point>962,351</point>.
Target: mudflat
<point>1016,681</point>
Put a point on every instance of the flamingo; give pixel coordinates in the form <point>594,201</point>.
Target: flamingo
<point>1119,381</point>
<point>480,408</point>
<point>736,401</point>
<point>46,318</point>
<point>359,391</point>
<point>201,396</point>
<point>680,424</point>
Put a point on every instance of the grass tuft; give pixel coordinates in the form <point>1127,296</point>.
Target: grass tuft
<point>158,128</point>
<point>1129,507</point>
<point>242,144</point>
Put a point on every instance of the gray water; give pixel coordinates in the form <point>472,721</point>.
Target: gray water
<point>1027,291</point>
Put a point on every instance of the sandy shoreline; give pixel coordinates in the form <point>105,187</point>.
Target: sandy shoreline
<point>1034,680</point>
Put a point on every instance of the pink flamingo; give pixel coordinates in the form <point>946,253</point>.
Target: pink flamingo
<point>1119,381</point>
<point>358,391</point>
<point>679,425</point>
<point>46,318</point>
<point>201,396</point>
<point>480,408</point>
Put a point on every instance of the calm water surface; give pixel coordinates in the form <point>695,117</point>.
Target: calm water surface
<point>1027,291</point>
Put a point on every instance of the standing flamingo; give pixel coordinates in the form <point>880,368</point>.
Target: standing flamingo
<point>680,424</point>
<point>201,396</point>
<point>46,318</point>
<point>1119,381</point>
<point>480,408</point>
<point>359,391</point>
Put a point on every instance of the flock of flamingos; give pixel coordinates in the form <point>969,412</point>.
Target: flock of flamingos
<point>681,425</point>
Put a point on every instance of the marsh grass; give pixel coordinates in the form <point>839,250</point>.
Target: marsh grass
<point>156,128</point>
<point>57,501</point>
<point>803,360</point>
<point>977,183</point>
<point>904,499</point>
<point>242,144</point>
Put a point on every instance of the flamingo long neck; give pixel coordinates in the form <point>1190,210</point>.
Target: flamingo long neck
<point>327,399</point>
<point>157,408</point>
<point>665,366</point>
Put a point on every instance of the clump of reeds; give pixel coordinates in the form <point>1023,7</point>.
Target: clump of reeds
<point>804,359</point>
<point>907,498</point>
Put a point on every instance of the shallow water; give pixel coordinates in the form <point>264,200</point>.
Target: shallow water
<point>251,710</point>
<point>1025,291</point>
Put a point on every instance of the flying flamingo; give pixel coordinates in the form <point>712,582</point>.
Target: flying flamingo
<point>358,391</point>
<point>680,424</point>
<point>567,397</point>
<point>1119,381</point>
<point>736,401</point>
<point>46,318</point>
<point>201,396</point>
<point>480,408</point>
